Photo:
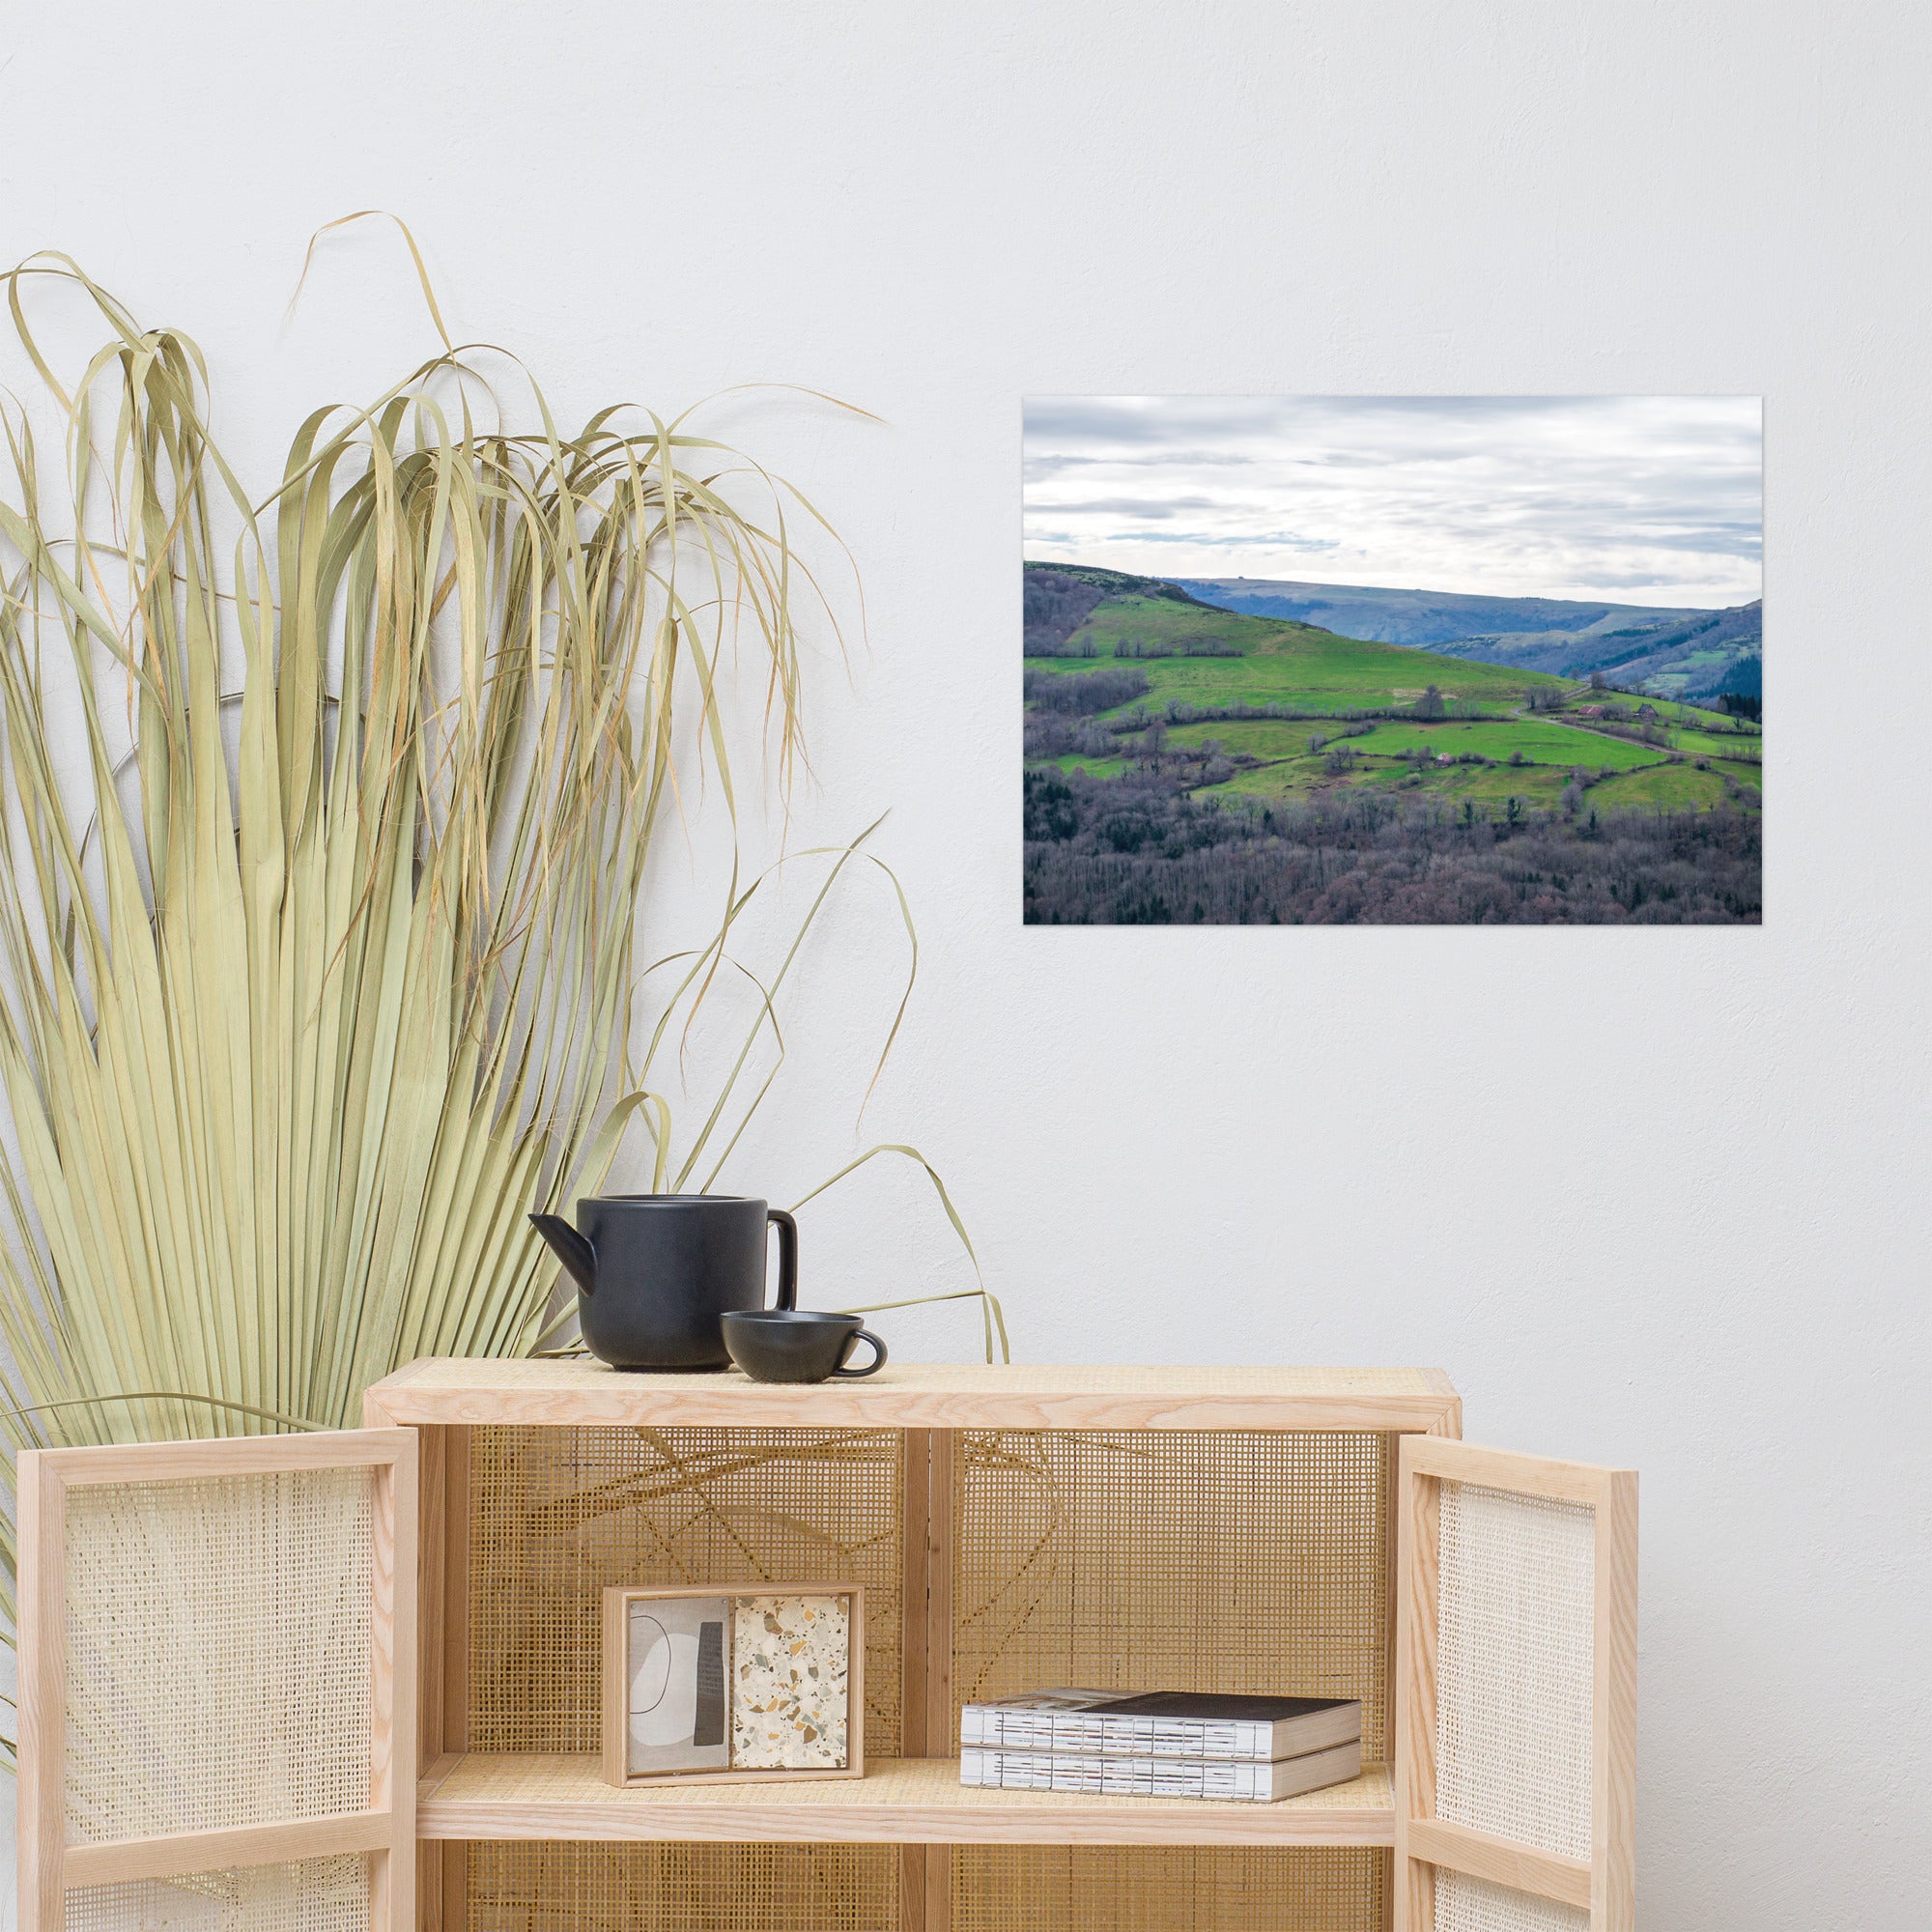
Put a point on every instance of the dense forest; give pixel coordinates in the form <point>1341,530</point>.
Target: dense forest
<point>1139,851</point>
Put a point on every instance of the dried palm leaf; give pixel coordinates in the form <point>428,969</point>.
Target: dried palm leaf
<point>319,973</point>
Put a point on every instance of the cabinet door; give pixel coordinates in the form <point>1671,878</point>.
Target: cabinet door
<point>1515,1693</point>
<point>217,1687</point>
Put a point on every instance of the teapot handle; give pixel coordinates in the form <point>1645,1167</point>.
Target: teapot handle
<point>787,1257</point>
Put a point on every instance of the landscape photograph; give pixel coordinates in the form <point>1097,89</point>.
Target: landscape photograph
<point>1393,660</point>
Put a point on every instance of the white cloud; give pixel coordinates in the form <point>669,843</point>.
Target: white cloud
<point>1645,500</point>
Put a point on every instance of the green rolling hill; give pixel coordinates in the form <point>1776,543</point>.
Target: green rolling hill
<point>1248,707</point>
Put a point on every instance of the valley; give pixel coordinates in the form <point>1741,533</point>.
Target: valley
<point>1662,652</point>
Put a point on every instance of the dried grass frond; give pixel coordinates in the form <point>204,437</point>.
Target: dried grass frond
<point>318,971</point>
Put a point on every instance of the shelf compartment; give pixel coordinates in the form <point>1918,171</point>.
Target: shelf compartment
<point>556,1515</point>
<point>899,1801</point>
<point>1161,1888</point>
<point>1204,1560</point>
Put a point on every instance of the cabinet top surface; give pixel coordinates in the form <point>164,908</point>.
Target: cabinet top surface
<point>921,1396</point>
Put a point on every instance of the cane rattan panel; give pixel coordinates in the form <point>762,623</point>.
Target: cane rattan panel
<point>1241,1561</point>
<point>531,1886</point>
<point>1465,1904</point>
<point>314,1895</point>
<point>1513,1668</point>
<point>217,1653</point>
<point>1113,1888</point>
<point>558,1514</point>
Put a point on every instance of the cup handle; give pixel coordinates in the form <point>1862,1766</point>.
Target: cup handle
<point>872,1366</point>
<point>787,1257</point>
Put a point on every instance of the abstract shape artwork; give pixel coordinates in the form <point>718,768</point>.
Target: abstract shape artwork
<point>677,1685</point>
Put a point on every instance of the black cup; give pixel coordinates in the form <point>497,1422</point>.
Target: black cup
<point>790,1345</point>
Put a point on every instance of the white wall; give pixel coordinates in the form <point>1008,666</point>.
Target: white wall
<point>1657,1197</point>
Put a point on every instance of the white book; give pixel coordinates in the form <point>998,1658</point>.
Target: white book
<point>1163,1723</point>
<point>1231,1782</point>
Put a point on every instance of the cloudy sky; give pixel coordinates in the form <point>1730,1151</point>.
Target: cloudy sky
<point>1636,500</point>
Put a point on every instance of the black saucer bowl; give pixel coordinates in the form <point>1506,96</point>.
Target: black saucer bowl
<point>795,1344</point>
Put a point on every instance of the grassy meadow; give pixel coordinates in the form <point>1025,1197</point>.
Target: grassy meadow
<point>1614,747</point>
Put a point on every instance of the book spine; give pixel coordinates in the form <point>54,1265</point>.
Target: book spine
<point>1116,1777</point>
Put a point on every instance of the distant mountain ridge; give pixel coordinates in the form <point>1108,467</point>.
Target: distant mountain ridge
<point>1692,657</point>
<point>1421,618</point>
<point>1678,651</point>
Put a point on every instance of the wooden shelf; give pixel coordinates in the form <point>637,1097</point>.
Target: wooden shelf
<point>899,1801</point>
<point>531,1394</point>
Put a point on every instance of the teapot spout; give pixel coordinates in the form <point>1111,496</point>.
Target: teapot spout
<point>570,1248</point>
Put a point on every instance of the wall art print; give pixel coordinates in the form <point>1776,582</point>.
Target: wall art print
<point>1396,659</point>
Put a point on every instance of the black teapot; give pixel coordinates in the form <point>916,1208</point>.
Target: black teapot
<point>655,1272</point>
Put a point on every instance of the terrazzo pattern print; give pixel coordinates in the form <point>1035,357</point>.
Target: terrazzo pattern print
<point>790,1659</point>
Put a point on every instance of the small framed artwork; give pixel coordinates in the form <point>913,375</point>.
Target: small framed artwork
<point>753,1684</point>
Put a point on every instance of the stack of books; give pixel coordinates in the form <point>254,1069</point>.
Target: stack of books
<point>1163,1744</point>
